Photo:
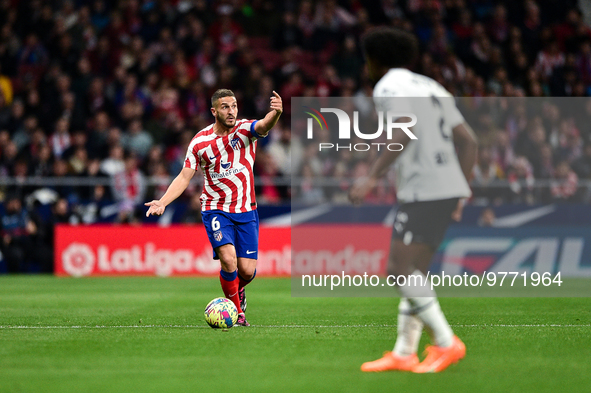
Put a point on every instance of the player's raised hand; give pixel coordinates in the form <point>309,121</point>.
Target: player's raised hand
<point>156,208</point>
<point>276,103</point>
<point>360,189</point>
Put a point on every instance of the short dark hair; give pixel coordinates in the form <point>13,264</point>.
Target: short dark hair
<point>390,47</point>
<point>219,93</point>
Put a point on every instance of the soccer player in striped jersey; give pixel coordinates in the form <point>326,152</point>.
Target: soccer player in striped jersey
<point>431,180</point>
<point>225,152</point>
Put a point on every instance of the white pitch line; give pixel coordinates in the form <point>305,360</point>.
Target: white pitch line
<point>279,326</point>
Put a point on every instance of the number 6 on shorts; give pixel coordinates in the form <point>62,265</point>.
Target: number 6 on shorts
<point>215,224</point>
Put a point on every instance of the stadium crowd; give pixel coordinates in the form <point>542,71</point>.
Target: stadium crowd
<point>115,90</point>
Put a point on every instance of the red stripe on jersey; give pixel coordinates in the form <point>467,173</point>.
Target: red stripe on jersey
<point>208,198</point>
<point>237,126</point>
<point>204,132</point>
<point>229,183</point>
<point>247,135</point>
<point>195,151</point>
<point>244,132</point>
<point>217,166</point>
<point>244,161</point>
<point>221,195</point>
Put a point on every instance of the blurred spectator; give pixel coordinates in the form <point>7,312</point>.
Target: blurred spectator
<point>137,140</point>
<point>265,170</point>
<point>529,144</point>
<point>565,182</point>
<point>128,189</point>
<point>162,180</point>
<point>546,169</point>
<point>285,151</point>
<point>502,151</point>
<point>486,172</point>
<point>549,59</point>
<point>487,217</point>
<point>288,34</point>
<point>309,193</point>
<point>582,165</point>
<point>92,211</point>
<point>521,181</point>
<point>22,238</point>
<point>60,139</point>
<point>97,139</point>
<point>569,144</point>
<point>333,17</point>
<point>19,126</point>
<point>33,53</point>
<point>61,213</point>
<point>114,163</point>
<point>348,61</point>
<point>5,87</point>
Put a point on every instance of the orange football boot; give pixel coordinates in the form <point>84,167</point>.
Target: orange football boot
<point>440,358</point>
<point>390,362</point>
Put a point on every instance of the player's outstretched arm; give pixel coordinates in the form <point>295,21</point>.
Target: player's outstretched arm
<point>364,185</point>
<point>263,126</point>
<point>176,188</point>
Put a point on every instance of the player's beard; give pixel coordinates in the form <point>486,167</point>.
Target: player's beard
<point>227,123</point>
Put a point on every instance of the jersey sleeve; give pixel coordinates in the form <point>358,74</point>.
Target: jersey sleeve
<point>191,159</point>
<point>248,126</point>
<point>453,115</point>
<point>391,98</point>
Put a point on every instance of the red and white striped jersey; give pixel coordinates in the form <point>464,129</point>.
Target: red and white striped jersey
<point>227,163</point>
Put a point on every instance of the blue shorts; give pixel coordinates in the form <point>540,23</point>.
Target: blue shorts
<point>239,229</point>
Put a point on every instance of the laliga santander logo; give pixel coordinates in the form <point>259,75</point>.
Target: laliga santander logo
<point>78,259</point>
<point>345,129</point>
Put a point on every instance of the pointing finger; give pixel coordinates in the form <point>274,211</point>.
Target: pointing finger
<point>276,95</point>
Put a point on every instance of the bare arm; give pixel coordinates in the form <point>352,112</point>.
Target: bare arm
<point>467,148</point>
<point>263,126</point>
<point>467,145</point>
<point>176,188</point>
<point>364,185</point>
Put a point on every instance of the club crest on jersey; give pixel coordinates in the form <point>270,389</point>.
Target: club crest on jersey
<point>217,235</point>
<point>225,165</point>
<point>236,143</point>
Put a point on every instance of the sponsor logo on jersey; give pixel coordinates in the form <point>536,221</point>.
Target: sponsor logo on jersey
<point>225,165</point>
<point>228,173</point>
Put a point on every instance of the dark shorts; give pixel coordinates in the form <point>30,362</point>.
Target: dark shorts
<point>423,222</point>
<point>239,229</point>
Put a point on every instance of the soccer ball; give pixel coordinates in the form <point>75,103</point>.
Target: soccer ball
<point>221,313</point>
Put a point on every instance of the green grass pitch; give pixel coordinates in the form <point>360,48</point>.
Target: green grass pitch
<point>148,335</point>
